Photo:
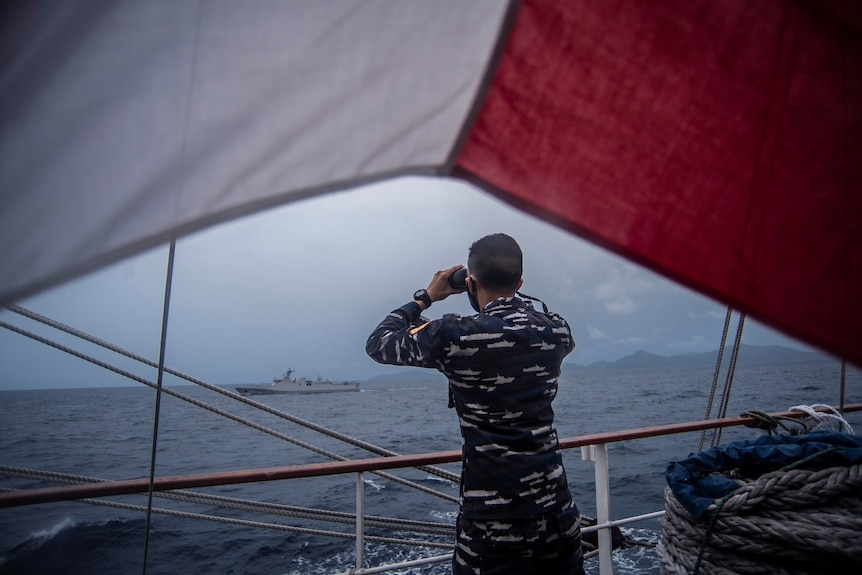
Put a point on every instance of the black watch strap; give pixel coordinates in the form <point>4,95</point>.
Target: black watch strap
<point>422,295</point>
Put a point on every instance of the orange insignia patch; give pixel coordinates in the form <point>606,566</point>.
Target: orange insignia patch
<point>418,327</point>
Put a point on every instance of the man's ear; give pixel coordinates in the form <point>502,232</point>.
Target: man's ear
<point>471,285</point>
<point>520,283</point>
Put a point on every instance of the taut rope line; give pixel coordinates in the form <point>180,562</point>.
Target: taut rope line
<point>275,526</point>
<point>229,415</point>
<point>715,373</point>
<point>427,527</point>
<point>728,381</point>
<point>370,447</point>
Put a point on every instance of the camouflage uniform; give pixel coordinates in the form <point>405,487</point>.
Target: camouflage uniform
<point>517,515</point>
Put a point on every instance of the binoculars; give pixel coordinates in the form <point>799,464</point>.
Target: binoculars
<point>458,279</point>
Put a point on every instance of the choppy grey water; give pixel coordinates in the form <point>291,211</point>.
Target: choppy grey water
<point>106,433</point>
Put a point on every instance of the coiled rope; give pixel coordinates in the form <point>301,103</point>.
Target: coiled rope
<point>796,521</point>
<point>827,419</point>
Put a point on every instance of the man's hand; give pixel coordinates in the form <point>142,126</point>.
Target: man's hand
<point>439,288</point>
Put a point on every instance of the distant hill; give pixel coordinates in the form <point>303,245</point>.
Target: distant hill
<point>748,355</point>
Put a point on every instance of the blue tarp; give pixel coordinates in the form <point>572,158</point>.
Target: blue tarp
<point>695,487</point>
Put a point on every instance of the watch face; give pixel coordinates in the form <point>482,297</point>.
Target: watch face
<point>422,295</point>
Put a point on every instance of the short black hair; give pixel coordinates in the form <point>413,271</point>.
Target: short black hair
<point>497,262</point>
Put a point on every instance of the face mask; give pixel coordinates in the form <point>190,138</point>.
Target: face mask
<point>471,295</point>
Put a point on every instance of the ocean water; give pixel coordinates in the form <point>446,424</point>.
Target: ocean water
<point>107,433</point>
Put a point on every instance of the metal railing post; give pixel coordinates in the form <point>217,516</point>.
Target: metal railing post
<point>360,520</point>
<point>599,455</point>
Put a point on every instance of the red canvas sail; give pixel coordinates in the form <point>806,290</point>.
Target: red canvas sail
<point>718,143</point>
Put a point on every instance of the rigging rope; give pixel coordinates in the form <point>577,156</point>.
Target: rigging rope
<point>830,419</point>
<point>226,414</point>
<point>226,392</point>
<point>275,526</point>
<point>715,374</point>
<point>427,527</point>
<point>728,381</point>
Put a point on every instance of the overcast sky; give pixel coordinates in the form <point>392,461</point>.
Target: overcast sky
<point>302,286</point>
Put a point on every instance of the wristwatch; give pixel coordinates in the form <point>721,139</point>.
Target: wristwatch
<point>422,295</point>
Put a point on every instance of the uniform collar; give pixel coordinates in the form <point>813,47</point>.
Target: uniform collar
<point>503,304</point>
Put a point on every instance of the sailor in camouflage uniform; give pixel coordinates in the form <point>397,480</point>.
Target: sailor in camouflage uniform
<point>517,515</point>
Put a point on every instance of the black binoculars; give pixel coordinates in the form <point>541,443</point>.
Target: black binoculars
<point>458,279</point>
